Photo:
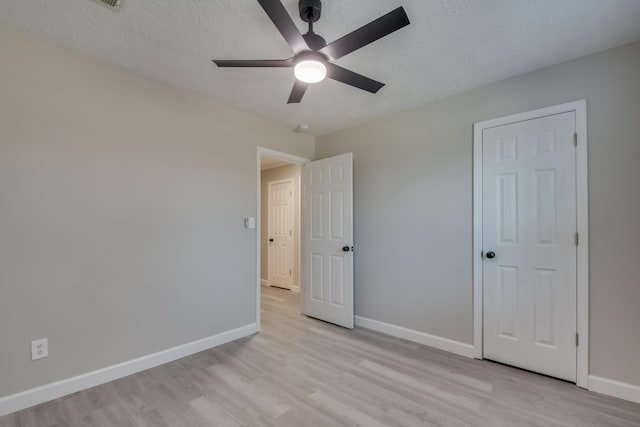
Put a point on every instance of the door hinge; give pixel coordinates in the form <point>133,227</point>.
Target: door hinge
<point>577,239</point>
<point>577,340</point>
<point>290,273</point>
<point>575,139</point>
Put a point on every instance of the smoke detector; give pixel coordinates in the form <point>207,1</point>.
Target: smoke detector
<point>111,4</point>
<point>301,128</point>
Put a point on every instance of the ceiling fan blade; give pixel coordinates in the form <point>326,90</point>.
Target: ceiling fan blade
<point>283,22</point>
<point>353,79</point>
<point>297,92</point>
<point>366,34</point>
<point>260,63</point>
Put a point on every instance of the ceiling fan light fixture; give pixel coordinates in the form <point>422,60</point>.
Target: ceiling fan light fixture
<point>313,57</point>
<point>310,71</point>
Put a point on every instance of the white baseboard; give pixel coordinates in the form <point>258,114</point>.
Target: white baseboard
<point>440,343</point>
<point>35,396</point>
<point>614,388</point>
<point>264,282</point>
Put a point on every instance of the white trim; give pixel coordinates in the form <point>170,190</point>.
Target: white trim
<point>264,282</point>
<point>614,388</point>
<point>298,281</point>
<point>477,242</point>
<point>582,221</point>
<point>266,152</point>
<point>35,396</point>
<point>282,181</point>
<point>434,341</point>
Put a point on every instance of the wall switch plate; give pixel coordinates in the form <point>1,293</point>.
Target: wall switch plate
<point>39,349</point>
<point>250,222</point>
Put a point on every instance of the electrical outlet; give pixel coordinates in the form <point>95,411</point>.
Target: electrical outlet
<point>39,349</point>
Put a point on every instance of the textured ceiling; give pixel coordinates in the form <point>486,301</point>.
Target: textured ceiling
<point>451,46</point>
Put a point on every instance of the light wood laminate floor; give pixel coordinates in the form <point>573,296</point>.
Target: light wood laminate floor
<point>302,372</point>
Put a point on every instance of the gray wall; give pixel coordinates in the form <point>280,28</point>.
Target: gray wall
<point>121,213</point>
<point>413,203</point>
<point>284,172</point>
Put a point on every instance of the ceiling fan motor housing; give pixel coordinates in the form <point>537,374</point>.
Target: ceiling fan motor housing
<point>310,10</point>
<point>314,41</point>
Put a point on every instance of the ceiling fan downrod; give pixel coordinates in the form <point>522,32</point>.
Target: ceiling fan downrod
<point>310,11</point>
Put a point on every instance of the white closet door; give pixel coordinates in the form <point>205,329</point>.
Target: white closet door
<point>529,214</point>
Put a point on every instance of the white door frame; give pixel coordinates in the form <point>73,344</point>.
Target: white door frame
<point>267,152</point>
<point>582,221</point>
<point>296,236</point>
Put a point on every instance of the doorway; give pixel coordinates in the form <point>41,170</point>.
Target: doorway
<point>324,275</point>
<point>531,241</point>
<point>280,225</point>
<point>278,173</point>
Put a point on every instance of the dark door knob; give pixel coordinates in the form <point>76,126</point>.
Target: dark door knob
<point>490,255</point>
<point>345,249</point>
<point>271,240</point>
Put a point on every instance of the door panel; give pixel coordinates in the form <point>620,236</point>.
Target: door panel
<point>327,291</point>
<point>337,280</point>
<point>544,287</point>
<point>545,200</point>
<point>281,234</point>
<point>529,214</point>
<point>508,212</point>
<point>508,277</point>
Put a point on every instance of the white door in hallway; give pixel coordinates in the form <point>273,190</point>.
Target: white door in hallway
<point>529,245</point>
<point>327,288</point>
<point>280,231</point>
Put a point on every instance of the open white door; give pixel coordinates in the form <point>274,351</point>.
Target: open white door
<point>327,291</point>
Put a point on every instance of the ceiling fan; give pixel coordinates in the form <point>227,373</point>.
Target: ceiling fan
<point>313,59</point>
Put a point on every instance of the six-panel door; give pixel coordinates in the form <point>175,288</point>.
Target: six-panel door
<point>328,240</point>
<point>529,215</point>
<point>281,234</point>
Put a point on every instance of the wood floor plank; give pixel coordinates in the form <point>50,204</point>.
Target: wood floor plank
<point>213,413</point>
<point>345,411</point>
<point>301,372</point>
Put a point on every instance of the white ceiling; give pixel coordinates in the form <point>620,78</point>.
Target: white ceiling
<point>451,46</point>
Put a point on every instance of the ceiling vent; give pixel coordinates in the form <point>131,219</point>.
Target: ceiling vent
<point>111,4</point>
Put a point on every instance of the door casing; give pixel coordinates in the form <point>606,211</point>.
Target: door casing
<point>582,220</point>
